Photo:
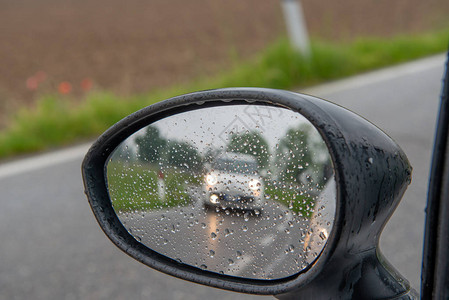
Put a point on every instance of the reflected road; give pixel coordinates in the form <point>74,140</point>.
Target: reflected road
<point>236,243</point>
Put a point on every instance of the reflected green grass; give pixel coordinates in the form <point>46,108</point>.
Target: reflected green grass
<point>300,203</point>
<point>134,187</point>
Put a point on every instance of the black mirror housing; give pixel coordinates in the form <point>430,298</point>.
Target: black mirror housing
<point>371,174</point>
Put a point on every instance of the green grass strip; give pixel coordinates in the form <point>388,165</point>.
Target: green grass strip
<point>54,121</point>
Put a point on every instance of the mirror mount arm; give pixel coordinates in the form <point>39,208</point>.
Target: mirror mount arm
<point>357,276</point>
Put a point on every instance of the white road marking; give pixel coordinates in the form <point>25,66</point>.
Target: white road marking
<point>281,227</point>
<point>276,262</point>
<point>267,240</point>
<point>288,217</point>
<point>43,161</point>
<point>58,157</point>
<point>280,256</point>
<point>242,263</point>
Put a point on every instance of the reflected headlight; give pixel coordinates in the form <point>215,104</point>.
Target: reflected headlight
<point>211,179</point>
<point>254,184</point>
<point>214,199</point>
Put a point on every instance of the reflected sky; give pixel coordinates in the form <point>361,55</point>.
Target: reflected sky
<point>212,128</point>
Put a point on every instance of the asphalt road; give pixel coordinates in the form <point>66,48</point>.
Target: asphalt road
<point>270,245</point>
<point>52,248</point>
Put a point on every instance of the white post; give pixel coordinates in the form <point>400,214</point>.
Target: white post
<point>161,186</point>
<point>296,25</point>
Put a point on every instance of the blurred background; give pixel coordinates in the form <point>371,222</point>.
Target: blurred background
<point>70,69</point>
<point>73,47</point>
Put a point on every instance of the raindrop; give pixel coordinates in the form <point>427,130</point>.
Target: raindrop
<point>322,235</point>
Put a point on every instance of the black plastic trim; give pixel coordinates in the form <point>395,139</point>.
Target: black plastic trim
<point>435,269</point>
<point>367,194</point>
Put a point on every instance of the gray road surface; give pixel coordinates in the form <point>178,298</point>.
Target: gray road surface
<point>230,242</point>
<point>52,248</point>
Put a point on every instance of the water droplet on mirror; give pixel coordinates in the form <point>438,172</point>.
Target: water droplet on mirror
<point>160,193</point>
<point>323,235</point>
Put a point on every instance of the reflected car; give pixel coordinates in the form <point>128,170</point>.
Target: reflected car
<point>232,181</point>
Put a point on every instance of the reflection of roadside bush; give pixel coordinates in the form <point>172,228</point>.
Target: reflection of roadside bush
<point>152,148</point>
<point>296,200</point>
<point>135,187</point>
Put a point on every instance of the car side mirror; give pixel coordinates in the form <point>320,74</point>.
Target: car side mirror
<point>252,190</point>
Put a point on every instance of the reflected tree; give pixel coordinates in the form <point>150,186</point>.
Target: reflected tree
<point>184,156</point>
<point>302,165</point>
<point>153,148</point>
<point>210,154</point>
<point>150,145</point>
<point>251,143</point>
<point>300,158</point>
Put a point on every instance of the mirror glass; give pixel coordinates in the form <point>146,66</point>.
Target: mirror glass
<point>241,190</point>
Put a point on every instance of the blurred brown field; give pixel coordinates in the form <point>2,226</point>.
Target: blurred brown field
<point>73,46</point>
